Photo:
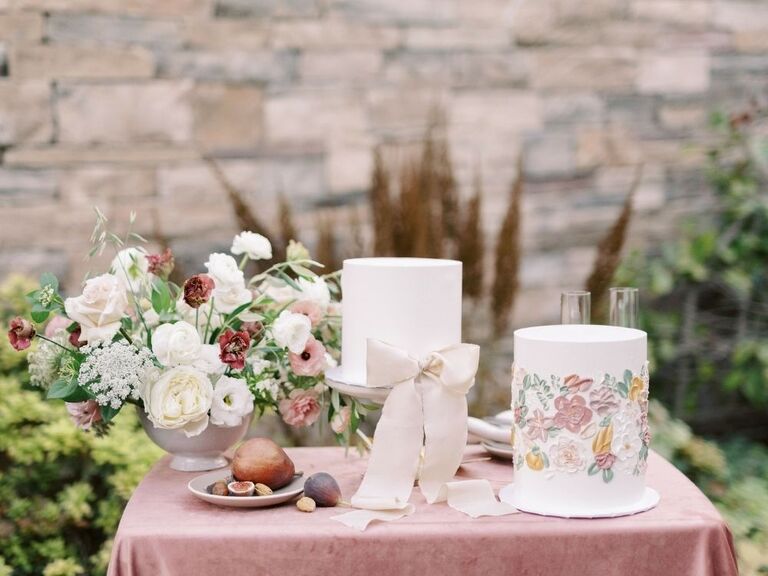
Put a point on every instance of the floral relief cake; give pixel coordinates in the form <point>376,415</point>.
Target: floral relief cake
<point>580,403</point>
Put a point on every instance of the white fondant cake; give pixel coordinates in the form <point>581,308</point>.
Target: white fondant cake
<point>580,402</point>
<point>411,303</point>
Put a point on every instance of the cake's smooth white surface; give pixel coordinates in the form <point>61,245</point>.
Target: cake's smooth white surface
<point>411,303</point>
<point>580,398</point>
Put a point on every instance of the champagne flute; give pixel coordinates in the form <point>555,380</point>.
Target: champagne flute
<point>624,308</point>
<point>575,307</point>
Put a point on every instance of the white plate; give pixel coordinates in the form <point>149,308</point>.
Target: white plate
<point>499,449</point>
<point>375,395</point>
<point>649,499</point>
<point>199,487</point>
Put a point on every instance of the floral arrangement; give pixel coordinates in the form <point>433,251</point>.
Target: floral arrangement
<point>205,353</point>
<point>557,418</point>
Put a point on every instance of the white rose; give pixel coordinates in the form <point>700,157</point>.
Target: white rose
<point>258,365</point>
<point>177,343</point>
<point>232,401</point>
<point>292,331</point>
<point>131,267</point>
<point>180,399</point>
<point>99,309</point>
<point>255,246</point>
<point>229,291</point>
<point>315,291</point>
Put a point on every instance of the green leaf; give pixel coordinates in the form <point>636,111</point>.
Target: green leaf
<point>303,272</point>
<point>593,469</point>
<point>335,400</point>
<point>607,475</point>
<point>67,390</point>
<point>39,314</point>
<point>161,296</point>
<point>288,280</point>
<point>48,279</point>
<point>108,413</point>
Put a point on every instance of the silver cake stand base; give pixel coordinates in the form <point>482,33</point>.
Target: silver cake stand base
<point>335,379</point>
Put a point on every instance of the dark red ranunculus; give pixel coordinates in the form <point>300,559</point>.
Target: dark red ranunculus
<point>21,333</point>
<point>234,347</point>
<point>161,264</point>
<point>197,290</point>
<point>74,337</point>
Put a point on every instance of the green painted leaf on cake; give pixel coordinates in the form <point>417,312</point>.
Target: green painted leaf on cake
<point>628,377</point>
<point>593,469</point>
<point>527,382</point>
<point>607,475</point>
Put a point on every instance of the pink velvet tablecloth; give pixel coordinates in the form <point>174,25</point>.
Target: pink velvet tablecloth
<point>167,531</point>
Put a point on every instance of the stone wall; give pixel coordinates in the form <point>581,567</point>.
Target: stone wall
<point>113,102</point>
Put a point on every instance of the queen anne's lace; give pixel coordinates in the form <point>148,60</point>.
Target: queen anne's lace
<point>46,361</point>
<point>116,372</point>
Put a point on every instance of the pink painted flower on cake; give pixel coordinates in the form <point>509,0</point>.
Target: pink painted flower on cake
<point>311,361</point>
<point>538,426</point>
<point>572,413</point>
<point>567,455</point>
<point>604,401</point>
<point>301,408</point>
<point>576,383</point>
<point>604,460</point>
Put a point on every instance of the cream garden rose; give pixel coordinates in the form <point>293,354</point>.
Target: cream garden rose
<point>99,309</point>
<point>292,331</point>
<point>176,343</point>
<point>253,245</point>
<point>232,401</point>
<point>180,400</point>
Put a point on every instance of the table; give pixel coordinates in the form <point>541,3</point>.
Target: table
<point>166,531</point>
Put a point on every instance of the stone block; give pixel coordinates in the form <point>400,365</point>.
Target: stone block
<point>571,108</point>
<point>228,65</point>
<point>458,69</point>
<point>25,113</point>
<point>313,116</point>
<point>598,69</point>
<point>349,166</point>
<point>684,12</point>
<point>121,113</point>
<point>589,10</point>
<point>27,186</point>
<point>741,15</point>
<point>402,12</point>
<point>84,186</point>
<point>333,33</point>
<point>549,156</point>
<point>228,117</point>
<point>476,38</point>
<point>615,144</point>
<point>109,29</point>
<point>267,8</point>
<point>134,154</point>
<point>21,27</point>
<point>32,262</point>
<point>752,40</point>
<point>225,34</point>
<point>65,61</point>
<point>675,73</point>
<point>340,67</point>
<point>403,113</point>
<point>532,23</point>
<point>166,8</point>
<point>683,116</point>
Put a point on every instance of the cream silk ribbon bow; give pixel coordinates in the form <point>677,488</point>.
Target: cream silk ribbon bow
<point>426,407</point>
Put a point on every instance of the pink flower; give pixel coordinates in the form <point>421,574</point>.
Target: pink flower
<point>572,414</point>
<point>604,460</point>
<point>340,421</point>
<point>311,361</point>
<point>310,309</point>
<point>603,401</point>
<point>538,426</point>
<point>84,414</point>
<point>576,383</point>
<point>55,324</point>
<point>234,346</point>
<point>253,328</point>
<point>301,408</point>
<point>20,333</point>
<point>161,264</point>
<point>197,290</point>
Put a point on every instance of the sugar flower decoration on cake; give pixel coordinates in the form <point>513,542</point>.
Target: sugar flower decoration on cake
<point>567,455</point>
<point>604,401</point>
<point>576,383</point>
<point>538,426</point>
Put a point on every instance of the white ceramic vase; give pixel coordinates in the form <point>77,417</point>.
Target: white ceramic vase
<point>202,452</point>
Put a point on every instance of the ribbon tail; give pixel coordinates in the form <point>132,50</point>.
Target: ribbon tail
<point>445,433</point>
<point>394,459</point>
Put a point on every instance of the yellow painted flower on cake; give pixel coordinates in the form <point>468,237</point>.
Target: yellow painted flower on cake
<point>636,389</point>
<point>603,440</point>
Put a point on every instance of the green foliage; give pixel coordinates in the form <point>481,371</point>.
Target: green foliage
<point>708,311</point>
<point>62,491</point>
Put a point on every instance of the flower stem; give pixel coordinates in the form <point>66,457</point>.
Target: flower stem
<point>56,344</point>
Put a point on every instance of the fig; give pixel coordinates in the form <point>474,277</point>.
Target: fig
<point>261,461</point>
<point>241,488</point>
<point>323,489</point>
<point>220,488</point>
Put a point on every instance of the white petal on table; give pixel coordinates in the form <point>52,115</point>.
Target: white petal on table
<point>475,498</point>
<point>360,519</point>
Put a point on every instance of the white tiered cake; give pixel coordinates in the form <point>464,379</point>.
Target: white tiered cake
<point>411,303</point>
<point>580,401</point>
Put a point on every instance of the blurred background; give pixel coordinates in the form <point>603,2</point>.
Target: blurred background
<point>548,144</point>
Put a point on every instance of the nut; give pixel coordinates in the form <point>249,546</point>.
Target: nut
<point>263,490</point>
<point>306,504</point>
<point>220,488</point>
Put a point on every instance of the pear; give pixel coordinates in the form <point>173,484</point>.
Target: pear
<point>261,461</point>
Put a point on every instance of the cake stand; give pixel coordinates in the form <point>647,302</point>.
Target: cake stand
<point>357,390</point>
